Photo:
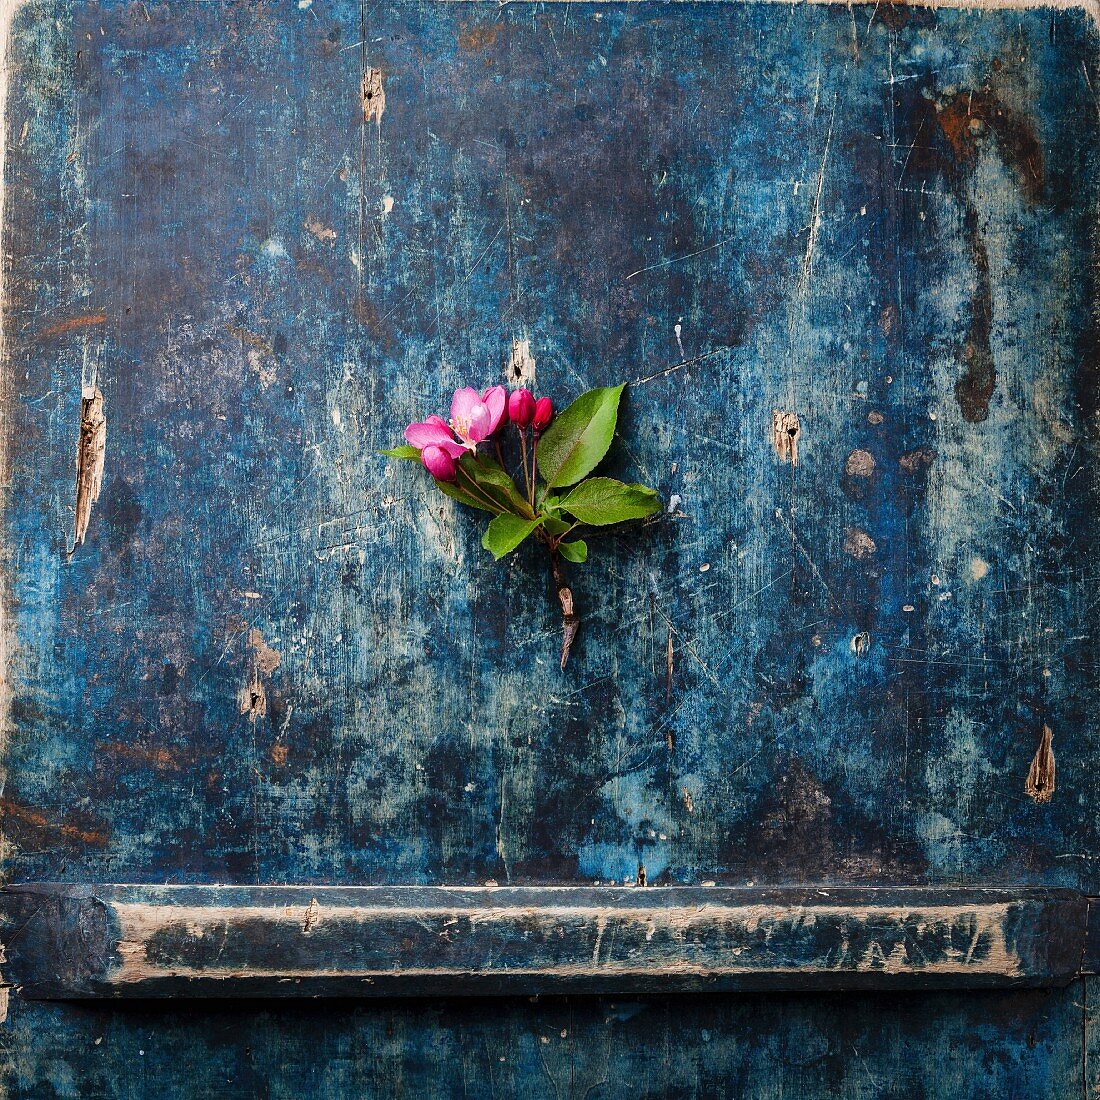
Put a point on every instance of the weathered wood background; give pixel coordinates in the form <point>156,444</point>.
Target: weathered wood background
<point>276,658</point>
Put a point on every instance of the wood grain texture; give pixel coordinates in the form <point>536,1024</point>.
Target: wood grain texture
<point>139,941</point>
<point>987,1045</point>
<point>276,658</point>
<point>863,671</point>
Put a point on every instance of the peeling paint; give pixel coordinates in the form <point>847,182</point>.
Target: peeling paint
<point>91,453</point>
<point>1041,775</point>
<point>521,365</point>
<point>373,96</point>
<point>786,432</point>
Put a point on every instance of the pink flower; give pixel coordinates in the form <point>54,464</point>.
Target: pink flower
<point>544,413</point>
<point>433,432</point>
<point>496,401</point>
<point>521,407</point>
<point>439,463</point>
<point>474,416</point>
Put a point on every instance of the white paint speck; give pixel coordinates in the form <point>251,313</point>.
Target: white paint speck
<point>387,203</point>
<point>303,4</point>
<point>337,419</point>
<point>704,567</point>
<point>275,248</point>
<point>678,328</point>
<point>674,503</point>
<point>978,568</point>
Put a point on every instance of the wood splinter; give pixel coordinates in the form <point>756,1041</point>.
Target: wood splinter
<point>1040,776</point>
<point>90,453</point>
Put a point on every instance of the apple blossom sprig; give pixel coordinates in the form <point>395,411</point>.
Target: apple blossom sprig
<point>555,454</point>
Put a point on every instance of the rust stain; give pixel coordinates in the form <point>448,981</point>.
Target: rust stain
<point>90,453</point>
<point>974,390</point>
<point>1039,785</point>
<point>689,802</point>
<point>966,120</point>
<point>279,755</point>
<point>786,431</point>
<point>250,338</point>
<point>372,96</point>
<point>73,323</point>
<point>159,758</point>
<point>969,116</point>
<point>38,820</point>
<point>481,37</point>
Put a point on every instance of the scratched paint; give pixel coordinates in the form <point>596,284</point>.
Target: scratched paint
<point>424,733</point>
<point>879,221</point>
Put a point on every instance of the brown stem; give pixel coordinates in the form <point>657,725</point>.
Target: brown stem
<point>534,466</point>
<point>526,475</point>
<point>475,490</point>
<point>570,620</point>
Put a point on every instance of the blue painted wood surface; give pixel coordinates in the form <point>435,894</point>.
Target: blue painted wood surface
<point>277,658</point>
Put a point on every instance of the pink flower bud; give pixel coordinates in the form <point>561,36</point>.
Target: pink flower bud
<point>544,413</point>
<point>439,464</point>
<point>521,407</point>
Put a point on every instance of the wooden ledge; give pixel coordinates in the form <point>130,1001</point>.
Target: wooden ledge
<point>66,941</point>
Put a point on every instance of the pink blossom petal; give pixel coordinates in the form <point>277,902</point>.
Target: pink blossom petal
<point>481,423</point>
<point>462,404</point>
<point>429,433</point>
<point>439,464</point>
<point>495,399</point>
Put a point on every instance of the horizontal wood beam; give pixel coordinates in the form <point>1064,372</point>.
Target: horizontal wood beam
<point>65,941</point>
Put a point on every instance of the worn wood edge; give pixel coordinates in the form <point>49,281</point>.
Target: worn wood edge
<point>1090,8</point>
<point>9,9</point>
<point>78,941</point>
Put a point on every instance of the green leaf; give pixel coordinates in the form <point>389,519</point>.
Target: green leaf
<point>579,437</point>
<point>576,551</point>
<point>405,451</point>
<point>506,532</point>
<point>603,500</point>
<point>455,492</point>
<point>554,526</point>
<point>493,482</point>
